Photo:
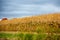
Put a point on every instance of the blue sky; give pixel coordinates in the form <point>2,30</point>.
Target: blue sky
<point>21,8</point>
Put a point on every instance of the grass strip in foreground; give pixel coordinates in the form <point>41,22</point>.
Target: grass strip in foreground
<point>29,36</point>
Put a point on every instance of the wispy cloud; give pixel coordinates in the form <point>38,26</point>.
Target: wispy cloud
<point>28,7</point>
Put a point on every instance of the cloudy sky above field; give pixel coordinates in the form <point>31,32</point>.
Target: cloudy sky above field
<point>20,8</point>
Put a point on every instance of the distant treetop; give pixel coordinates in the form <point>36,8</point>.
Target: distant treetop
<point>4,19</point>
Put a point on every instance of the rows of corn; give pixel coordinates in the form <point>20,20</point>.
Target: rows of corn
<point>44,27</point>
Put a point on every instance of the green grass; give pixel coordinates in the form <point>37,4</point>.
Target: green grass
<point>29,36</point>
<point>53,37</point>
<point>6,35</point>
<point>41,36</point>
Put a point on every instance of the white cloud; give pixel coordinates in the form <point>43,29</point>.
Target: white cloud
<point>0,19</point>
<point>50,8</point>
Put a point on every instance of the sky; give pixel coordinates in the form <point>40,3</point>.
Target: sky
<point>22,8</point>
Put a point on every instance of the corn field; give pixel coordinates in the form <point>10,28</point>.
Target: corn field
<point>35,28</point>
